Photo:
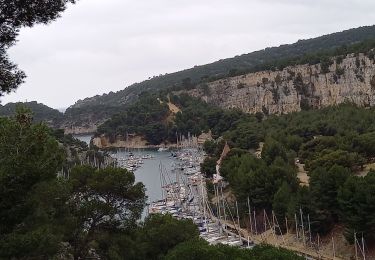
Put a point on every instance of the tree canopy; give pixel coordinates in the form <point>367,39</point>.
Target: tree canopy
<point>43,215</point>
<point>199,249</point>
<point>333,144</point>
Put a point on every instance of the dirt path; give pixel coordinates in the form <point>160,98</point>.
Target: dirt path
<point>173,108</point>
<point>366,170</point>
<point>302,174</point>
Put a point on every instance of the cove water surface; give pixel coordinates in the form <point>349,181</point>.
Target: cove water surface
<point>148,173</point>
<point>84,138</point>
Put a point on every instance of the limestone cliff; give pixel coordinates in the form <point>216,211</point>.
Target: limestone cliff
<point>136,141</point>
<point>348,79</point>
<point>79,130</point>
<point>132,141</point>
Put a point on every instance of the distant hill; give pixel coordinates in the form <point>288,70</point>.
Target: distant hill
<point>42,113</point>
<point>110,103</point>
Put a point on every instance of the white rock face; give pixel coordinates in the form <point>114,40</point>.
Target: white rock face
<point>77,130</point>
<point>295,88</point>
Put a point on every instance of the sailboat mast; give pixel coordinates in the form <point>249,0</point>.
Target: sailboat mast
<point>303,228</point>
<point>363,248</point>
<point>204,205</point>
<point>238,219</point>
<point>251,224</point>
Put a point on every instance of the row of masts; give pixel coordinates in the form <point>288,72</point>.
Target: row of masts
<point>263,226</point>
<point>302,227</point>
<point>93,159</point>
<point>191,141</point>
<point>359,247</point>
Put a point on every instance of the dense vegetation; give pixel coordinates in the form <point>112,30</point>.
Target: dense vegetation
<point>147,117</point>
<point>68,140</point>
<point>151,118</point>
<point>311,51</point>
<point>334,143</point>
<point>41,113</point>
<point>198,249</point>
<point>93,213</point>
<point>90,114</point>
<point>40,211</point>
<point>322,57</point>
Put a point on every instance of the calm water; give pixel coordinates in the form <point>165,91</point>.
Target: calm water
<point>84,138</point>
<point>148,173</point>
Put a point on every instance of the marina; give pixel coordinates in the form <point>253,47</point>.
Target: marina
<point>182,193</point>
<point>130,160</point>
<point>184,196</point>
<point>174,185</point>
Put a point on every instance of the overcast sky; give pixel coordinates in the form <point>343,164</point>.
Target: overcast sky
<point>99,46</point>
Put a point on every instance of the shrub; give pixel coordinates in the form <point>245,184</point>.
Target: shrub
<point>241,85</point>
<point>372,83</point>
<point>339,71</point>
<point>324,65</point>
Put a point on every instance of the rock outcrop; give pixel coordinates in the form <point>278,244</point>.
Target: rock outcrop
<point>136,141</point>
<point>132,141</point>
<point>348,79</point>
<point>80,130</point>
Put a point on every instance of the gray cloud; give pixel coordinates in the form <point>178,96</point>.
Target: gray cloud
<point>105,45</point>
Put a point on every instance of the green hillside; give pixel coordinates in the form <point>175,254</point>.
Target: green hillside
<point>335,144</point>
<point>153,120</point>
<point>109,104</point>
<point>41,112</point>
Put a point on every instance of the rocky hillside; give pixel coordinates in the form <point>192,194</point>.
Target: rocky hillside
<point>311,73</point>
<point>86,114</point>
<point>350,79</point>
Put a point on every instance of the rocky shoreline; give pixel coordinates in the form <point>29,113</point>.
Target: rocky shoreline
<point>138,142</point>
